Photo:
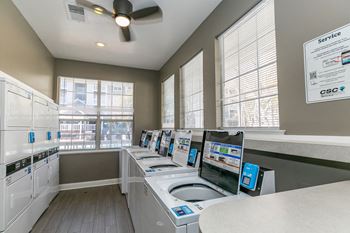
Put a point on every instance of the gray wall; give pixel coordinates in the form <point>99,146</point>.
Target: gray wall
<point>22,54</point>
<point>99,166</point>
<point>298,172</point>
<point>296,22</point>
<point>204,39</point>
<point>88,167</point>
<point>299,21</point>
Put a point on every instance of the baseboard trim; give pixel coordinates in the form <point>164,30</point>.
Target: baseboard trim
<point>89,184</point>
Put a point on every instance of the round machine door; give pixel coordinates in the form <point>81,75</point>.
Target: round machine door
<point>195,193</point>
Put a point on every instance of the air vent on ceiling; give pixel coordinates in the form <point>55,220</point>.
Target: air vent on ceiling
<point>76,13</point>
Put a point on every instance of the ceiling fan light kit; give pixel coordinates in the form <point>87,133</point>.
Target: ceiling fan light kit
<point>122,13</point>
<point>122,20</point>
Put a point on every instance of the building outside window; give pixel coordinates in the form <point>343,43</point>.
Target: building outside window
<point>248,82</point>
<point>191,91</point>
<point>95,114</point>
<point>168,103</point>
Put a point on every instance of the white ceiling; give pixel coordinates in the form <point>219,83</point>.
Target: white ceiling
<point>154,43</point>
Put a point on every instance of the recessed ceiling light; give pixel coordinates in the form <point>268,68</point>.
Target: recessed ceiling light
<point>98,10</point>
<point>100,44</point>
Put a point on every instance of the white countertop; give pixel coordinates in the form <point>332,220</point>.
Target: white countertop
<point>320,209</point>
<point>317,147</point>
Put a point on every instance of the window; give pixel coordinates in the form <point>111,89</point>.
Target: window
<point>168,103</point>
<point>248,81</point>
<point>95,114</point>
<point>191,81</point>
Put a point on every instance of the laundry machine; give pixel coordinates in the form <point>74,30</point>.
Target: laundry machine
<point>157,167</point>
<point>176,200</point>
<point>40,185</point>
<point>16,189</point>
<point>126,152</point>
<point>54,167</point>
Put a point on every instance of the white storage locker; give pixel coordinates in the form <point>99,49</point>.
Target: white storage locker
<point>16,191</point>
<point>16,104</point>
<point>15,145</point>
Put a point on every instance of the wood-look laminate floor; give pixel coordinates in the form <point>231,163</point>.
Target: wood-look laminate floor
<point>92,210</point>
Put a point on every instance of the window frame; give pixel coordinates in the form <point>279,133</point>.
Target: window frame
<point>98,116</point>
<point>220,72</point>
<point>182,98</point>
<point>163,103</point>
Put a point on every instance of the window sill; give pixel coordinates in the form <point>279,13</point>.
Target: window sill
<point>75,152</point>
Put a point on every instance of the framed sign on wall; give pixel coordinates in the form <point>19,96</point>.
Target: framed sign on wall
<point>327,66</point>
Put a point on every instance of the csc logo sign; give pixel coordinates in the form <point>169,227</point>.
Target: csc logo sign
<point>329,91</point>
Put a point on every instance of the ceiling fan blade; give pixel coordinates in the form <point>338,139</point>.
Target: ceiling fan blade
<point>126,33</point>
<point>92,6</point>
<point>145,12</point>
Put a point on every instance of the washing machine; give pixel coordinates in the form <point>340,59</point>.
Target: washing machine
<point>41,185</point>
<point>54,168</point>
<point>16,189</point>
<point>153,146</point>
<point>124,158</point>
<point>157,167</point>
<point>176,201</point>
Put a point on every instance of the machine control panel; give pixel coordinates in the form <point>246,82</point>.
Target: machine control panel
<point>182,211</point>
<point>250,176</point>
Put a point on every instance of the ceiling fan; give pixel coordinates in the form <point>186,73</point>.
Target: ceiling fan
<point>122,13</point>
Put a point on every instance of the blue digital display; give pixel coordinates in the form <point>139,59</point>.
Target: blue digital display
<point>192,158</point>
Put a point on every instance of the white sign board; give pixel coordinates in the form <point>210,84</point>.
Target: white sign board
<point>327,66</point>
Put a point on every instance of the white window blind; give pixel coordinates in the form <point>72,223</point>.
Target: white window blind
<point>248,81</point>
<point>95,114</point>
<point>168,103</point>
<point>191,82</point>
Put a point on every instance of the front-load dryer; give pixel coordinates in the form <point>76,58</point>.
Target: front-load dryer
<point>16,193</point>
<point>54,167</point>
<point>41,185</point>
<point>176,200</point>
